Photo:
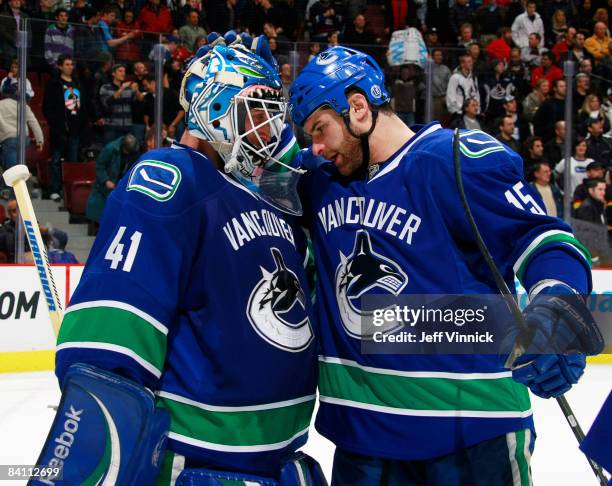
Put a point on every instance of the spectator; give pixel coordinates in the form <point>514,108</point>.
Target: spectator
<point>88,42</point>
<point>550,112</point>
<point>546,70</point>
<point>8,126</point>
<point>169,47</point>
<point>565,43</point>
<point>7,232</point>
<point>582,89</point>
<point>56,249</point>
<point>77,12</point>
<point>548,190</point>
<point>399,14</point>
<point>255,13</point>
<point>59,38</point>
<point>578,164</point>
<point>518,72</point>
<point>585,14</point>
<point>460,15</point>
<point>439,82</point>
<point>12,78</point>
<point>116,99</point>
<point>172,112</point>
<point>592,208</point>
<point>533,154</point>
<point>470,118</point>
<point>521,127</point>
<point>314,48</point>
<point>403,94</point>
<point>129,51</point>
<point>104,24</point>
<point>591,109</point>
<point>140,71</point>
<point>324,19</point>
<point>597,44</point>
<point>554,149</point>
<point>41,16</point>
<point>496,86</point>
<point>431,38</point>
<point>577,51</point>
<point>531,55</point>
<point>437,15</point>
<point>114,160</point>
<point>505,133</point>
<point>601,15</point>
<point>533,100</point>
<point>357,34</point>
<point>599,148</point>
<point>593,171</point>
<point>63,109</point>
<point>153,19</point>
<point>499,49</point>
<point>462,85</point>
<point>10,16</point>
<point>466,36</point>
<point>286,76</point>
<point>527,23</point>
<point>490,19</point>
<point>191,30</point>
<point>607,106</point>
<point>224,13</point>
<point>122,6</point>
<point>558,26</point>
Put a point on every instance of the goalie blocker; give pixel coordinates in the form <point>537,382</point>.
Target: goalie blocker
<point>106,431</point>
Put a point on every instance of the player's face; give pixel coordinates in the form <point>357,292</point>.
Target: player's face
<point>331,139</point>
<point>258,118</point>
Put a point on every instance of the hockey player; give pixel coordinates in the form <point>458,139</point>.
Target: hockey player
<point>385,217</point>
<point>195,291</point>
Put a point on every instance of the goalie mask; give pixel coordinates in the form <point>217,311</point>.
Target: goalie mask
<point>234,101</point>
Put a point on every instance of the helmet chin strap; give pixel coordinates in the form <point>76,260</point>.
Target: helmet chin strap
<point>364,139</point>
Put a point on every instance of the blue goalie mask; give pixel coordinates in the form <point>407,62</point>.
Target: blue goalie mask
<point>234,101</point>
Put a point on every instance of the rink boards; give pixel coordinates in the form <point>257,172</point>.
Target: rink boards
<point>27,341</point>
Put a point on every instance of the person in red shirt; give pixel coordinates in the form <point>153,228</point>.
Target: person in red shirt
<point>500,48</point>
<point>128,51</point>
<point>563,45</point>
<point>546,70</point>
<point>155,18</point>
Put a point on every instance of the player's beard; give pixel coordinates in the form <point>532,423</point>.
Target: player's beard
<point>350,156</point>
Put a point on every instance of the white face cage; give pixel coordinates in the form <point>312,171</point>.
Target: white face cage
<point>258,118</point>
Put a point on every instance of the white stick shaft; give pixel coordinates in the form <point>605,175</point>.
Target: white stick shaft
<point>37,247</point>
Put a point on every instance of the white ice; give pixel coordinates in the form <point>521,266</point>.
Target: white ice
<point>26,414</point>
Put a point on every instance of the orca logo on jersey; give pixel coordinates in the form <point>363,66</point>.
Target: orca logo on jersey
<point>277,308</point>
<point>364,270</point>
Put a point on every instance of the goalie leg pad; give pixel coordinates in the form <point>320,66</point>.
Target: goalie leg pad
<point>106,431</point>
<point>298,469</point>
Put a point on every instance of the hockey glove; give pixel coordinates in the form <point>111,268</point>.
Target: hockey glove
<point>560,332</point>
<point>306,159</point>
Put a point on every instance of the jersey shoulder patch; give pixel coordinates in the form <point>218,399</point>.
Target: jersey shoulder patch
<point>155,178</point>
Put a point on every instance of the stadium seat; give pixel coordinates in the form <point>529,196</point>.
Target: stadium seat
<point>3,257</point>
<point>73,172</point>
<point>2,213</point>
<point>79,193</point>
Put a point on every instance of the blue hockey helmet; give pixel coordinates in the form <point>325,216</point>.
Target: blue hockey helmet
<point>327,77</point>
<point>233,99</point>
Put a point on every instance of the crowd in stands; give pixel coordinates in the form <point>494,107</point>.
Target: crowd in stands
<point>498,66</point>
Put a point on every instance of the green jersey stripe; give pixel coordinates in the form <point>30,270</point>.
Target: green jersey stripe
<point>235,449</point>
<point>115,349</point>
<point>501,397</point>
<point>543,239</point>
<point>117,327</point>
<point>423,413</point>
<point>416,374</point>
<point>257,429</point>
<point>119,305</point>
<point>244,408</point>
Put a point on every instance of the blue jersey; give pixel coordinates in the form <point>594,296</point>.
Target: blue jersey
<point>404,231</point>
<point>195,288</point>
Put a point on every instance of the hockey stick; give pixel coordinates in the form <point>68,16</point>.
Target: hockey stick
<point>16,177</point>
<point>512,304</point>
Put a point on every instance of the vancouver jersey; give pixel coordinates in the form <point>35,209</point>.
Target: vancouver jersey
<point>404,231</point>
<point>195,288</point>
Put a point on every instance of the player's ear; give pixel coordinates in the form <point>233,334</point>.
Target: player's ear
<point>359,108</point>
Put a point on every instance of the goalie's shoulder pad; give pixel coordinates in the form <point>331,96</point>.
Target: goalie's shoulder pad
<point>168,180</point>
<point>106,431</point>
